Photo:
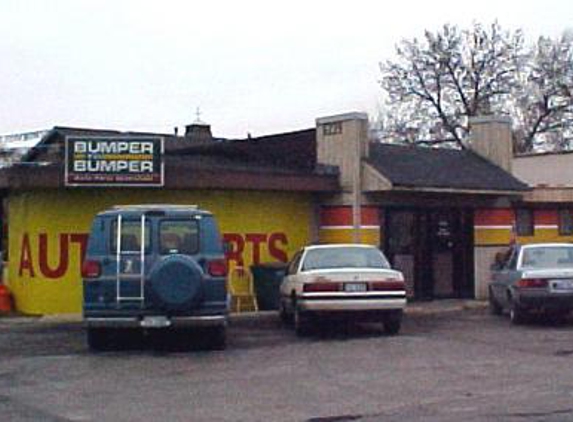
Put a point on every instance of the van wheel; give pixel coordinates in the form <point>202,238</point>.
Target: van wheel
<point>393,323</point>
<point>99,339</point>
<point>494,306</point>
<point>218,338</point>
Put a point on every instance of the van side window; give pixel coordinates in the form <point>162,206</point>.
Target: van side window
<point>130,236</point>
<point>178,236</point>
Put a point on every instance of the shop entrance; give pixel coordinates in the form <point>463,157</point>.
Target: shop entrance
<point>434,250</point>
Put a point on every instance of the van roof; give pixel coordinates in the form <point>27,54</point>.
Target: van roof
<point>169,209</point>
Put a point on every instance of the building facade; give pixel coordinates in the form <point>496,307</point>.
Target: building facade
<point>439,215</point>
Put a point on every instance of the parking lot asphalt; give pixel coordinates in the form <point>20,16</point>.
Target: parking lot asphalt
<point>452,361</point>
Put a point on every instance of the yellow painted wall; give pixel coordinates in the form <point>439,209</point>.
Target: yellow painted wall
<point>63,217</point>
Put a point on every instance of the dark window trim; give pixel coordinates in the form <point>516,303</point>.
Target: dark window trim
<point>520,228</point>
<point>565,229</point>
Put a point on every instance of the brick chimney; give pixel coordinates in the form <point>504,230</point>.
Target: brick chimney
<point>490,137</point>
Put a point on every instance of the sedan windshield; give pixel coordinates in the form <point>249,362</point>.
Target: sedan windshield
<point>547,257</point>
<point>344,257</point>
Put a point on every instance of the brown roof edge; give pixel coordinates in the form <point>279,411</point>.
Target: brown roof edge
<point>182,177</point>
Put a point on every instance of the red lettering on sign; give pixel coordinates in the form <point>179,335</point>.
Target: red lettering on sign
<point>256,239</point>
<point>62,266</point>
<point>82,240</point>
<point>276,252</point>
<point>237,246</point>
<point>46,251</point>
<point>26,257</point>
<point>274,242</point>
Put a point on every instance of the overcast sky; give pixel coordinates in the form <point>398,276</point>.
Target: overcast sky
<point>250,66</point>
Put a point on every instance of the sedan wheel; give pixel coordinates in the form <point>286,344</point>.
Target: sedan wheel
<point>517,315</point>
<point>285,317</point>
<point>494,307</point>
<point>301,323</point>
<point>393,323</point>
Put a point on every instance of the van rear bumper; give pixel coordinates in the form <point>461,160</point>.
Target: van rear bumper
<point>158,321</point>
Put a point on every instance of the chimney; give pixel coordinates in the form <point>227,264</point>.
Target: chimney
<point>198,132</point>
<point>342,141</point>
<point>490,137</point>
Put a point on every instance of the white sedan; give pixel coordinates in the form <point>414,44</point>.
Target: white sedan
<point>345,280</point>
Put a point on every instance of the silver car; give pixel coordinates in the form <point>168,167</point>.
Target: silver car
<point>346,280</point>
<point>533,279</point>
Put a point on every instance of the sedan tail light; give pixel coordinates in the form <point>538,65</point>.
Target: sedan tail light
<point>532,283</point>
<point>387,285</point>
<point>91,269</point>
<point>321,286</point>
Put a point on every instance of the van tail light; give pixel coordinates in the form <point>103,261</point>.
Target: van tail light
<point>321,285</point>
<point>217,268</point>
<point>91,269</point>
<point>532,283</point>
<point>390,285</point>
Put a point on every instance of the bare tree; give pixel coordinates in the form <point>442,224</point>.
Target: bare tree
<point>543,109</point>
<point>435,84</point>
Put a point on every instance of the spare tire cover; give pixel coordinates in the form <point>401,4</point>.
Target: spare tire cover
<point>175,283</point>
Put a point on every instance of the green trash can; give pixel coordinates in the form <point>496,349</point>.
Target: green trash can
<point>267,279</point>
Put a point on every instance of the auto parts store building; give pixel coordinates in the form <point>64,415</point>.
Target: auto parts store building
<point>440,215</point>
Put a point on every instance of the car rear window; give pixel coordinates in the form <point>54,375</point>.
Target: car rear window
<point>342,257</point>
<point>547,257</point>
<point>178,236</point>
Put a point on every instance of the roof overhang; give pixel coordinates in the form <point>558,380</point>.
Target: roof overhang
<point>182,176</point>
<point>459,191</point>
<point>553,194</point>
<point>373,181</point>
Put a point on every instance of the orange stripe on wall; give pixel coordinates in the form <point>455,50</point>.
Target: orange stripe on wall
<point>494,217</point>
<point>342,216</point>
<point>545,217</point>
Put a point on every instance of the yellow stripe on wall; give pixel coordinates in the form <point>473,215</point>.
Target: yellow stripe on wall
<point>544,235</point>
<point>367,236</point>
<point>489,237</point>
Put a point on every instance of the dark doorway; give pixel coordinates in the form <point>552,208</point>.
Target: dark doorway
<point>434,250</point>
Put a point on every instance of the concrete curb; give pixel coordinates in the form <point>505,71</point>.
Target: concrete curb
<point>413,309</point>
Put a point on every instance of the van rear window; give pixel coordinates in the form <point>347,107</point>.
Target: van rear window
<point>178,236</point>
<point>130,236</point>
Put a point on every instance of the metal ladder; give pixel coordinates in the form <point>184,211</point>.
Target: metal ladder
<point>118,257</point>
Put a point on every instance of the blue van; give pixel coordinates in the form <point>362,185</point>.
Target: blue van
<point>154,268</point>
